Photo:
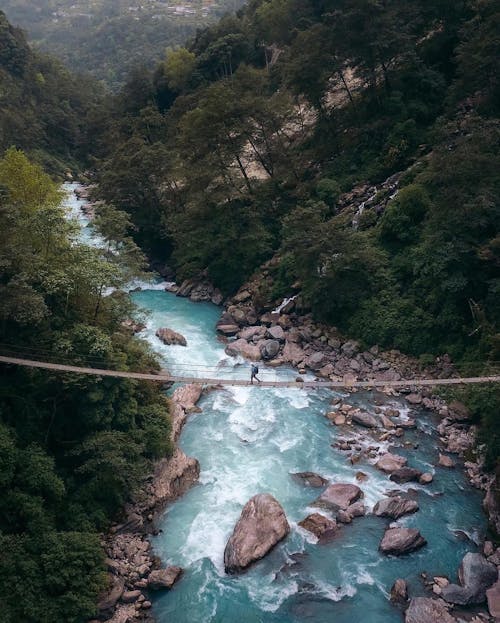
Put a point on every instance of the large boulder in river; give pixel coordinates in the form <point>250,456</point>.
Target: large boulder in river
<point>163,578</point>
<point>269,349</point>
<point>395,507</point>
<point>169,337</point>
<point>389,463</point>
<point>339,496</point>
<point>399,541</point>
<point>261,526</point>
<point>276,333</point>
<point>476,576</point>
<point>365,419</point>
<point>426,610</point>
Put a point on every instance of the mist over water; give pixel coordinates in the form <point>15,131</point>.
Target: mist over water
<point>249,440</point>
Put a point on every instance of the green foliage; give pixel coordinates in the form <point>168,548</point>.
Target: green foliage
<point>108,40</point>
<point>72,449</point>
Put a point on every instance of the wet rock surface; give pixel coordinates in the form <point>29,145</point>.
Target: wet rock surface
<point>398,541</point>
<point>261,526</point>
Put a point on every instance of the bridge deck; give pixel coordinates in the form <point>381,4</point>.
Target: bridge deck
<point>164,377</point>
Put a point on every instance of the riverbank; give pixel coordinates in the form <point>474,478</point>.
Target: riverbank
<point>134,572</point>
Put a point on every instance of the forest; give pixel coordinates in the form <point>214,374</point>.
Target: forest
<point>107,40</point>
<point>250,142</point>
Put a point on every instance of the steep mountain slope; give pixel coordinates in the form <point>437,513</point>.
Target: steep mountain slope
<point>42,107</point>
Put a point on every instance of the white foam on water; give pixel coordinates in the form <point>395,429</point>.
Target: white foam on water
<point>334,593</point>
<point>268,594</point>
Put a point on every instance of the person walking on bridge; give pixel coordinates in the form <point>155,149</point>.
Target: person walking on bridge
<point>255,371</point>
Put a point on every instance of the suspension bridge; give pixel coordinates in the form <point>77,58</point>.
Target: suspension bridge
<point>164,376</point>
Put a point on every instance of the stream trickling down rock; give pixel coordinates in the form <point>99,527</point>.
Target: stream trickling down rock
<point>250,440</point>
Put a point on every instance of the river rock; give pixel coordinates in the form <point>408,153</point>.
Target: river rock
<point>339,496</point>
<point>350,348</point>
<point>426,478</point>
<point>293,353</point>
<point>269,349</point>
<point>129,597</point>
<point>493,598</point>
<point>242,296</point>
<point>276,333</point>
<point>399,592</point>
<point>243,348</point>
<point>426,610</point>
<point>405,474</point>
<point>174,476</point>
<point>170,337</point>
<point>316,360</point>
<point>310,479</point>
<point>476,575</point>
<point>228,329</point>
<point>163,578</point>
<point>365,419</point>
<point>390,462</point>
<point>395,507</point>
<point>414,399</point>
<point>108,599</point>
<point>399,541</point>
<point>445,461</point>
<point>250,332</point>
<point>261,526</point>
<point>319,525</point>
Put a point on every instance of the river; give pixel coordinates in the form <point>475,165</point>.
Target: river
<point>250,440</point>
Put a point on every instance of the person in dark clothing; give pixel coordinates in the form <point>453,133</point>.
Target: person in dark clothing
<point>255,371</point>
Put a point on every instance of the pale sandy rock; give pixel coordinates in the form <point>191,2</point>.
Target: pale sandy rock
<point>339,496</point>
<point>399,541</point>
<point>390,462</point>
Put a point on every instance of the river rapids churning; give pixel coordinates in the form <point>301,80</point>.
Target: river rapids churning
<point>250,440</point>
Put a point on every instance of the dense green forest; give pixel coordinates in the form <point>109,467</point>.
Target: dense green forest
<point>43,107</point>
<point>109,39</point>
<point>72,448</point>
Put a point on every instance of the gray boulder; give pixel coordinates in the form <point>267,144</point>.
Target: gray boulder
<point>389,463</point>
<point>276,333</point>
<point>398,541</point>
<point>319,525</point>
<point>476,575</point>
<point>170,337</point>
<point>399,592</point>
<point>310,479</point>
<point>269,349</point>
<point>261,526</point>
<point>365,419</point>
<point>316,361</point>
<point>339,496</point>
<point>426,610</point>
<point>405,474</point>
<point>395,507</point>
<point>163,578</point>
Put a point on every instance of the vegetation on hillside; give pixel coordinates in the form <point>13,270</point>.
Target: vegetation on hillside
<point>240,146</point>
<point>109,39</point>
<point>42,106</point>
<point>72,448</point>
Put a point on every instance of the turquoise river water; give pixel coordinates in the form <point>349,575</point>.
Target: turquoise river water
<point>250,440</point>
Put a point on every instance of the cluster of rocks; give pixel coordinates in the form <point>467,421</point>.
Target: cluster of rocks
<point>479,585</point>
<point>197,291</point>
<point>133,571</point>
